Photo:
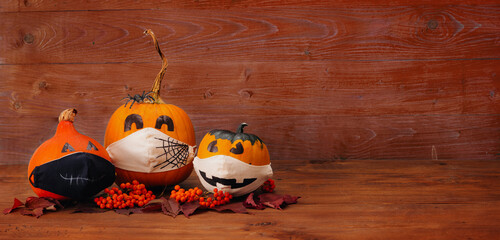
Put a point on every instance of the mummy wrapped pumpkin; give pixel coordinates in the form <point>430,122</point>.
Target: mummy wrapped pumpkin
<point>70,165</point>
<point>149,140</point>
<point>235,162</point>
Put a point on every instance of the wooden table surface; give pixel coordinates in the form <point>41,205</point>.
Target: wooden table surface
<point>354,199</point>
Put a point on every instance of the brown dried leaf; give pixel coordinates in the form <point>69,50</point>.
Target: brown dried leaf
<point>236,207</point>
<point>37,212</point>
<point>276,201</point>
<point>16,205</point>
<point>87,207</point>
<point>252,202</point>
<point>128,211</point>
<point>290,199</point>
<point>189,208</point>
<point>35,202</point>
<point>152,207</point>
<point>170,207</point>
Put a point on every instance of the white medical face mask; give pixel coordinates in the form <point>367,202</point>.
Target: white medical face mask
<point>149,150</point>
<point>230,174</point>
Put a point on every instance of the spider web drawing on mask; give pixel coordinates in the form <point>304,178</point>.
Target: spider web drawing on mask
<point>176,153</point>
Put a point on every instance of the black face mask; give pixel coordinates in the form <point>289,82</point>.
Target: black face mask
<point>76,176</point>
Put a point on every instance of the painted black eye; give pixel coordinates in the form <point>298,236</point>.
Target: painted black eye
<point>238,149</point>
<point>212,147</point>
<point>133,118</point>
<point>163,119</point>
<point>67,148</point>
<point>91,146</point>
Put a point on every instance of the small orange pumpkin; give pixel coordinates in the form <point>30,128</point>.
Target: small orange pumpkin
<point>149,111</point>
<point>245,147</point>
<point>235,162</point>
<point>70,164</point>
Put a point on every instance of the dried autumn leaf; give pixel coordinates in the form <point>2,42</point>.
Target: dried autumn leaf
<point>86,207</point>
<point>36,212</point>
<point>170,207</point>
<point>251,202</point>
<point>35,202</point>
<point>290,199</point>
<point>236,207</point>
<point>16,205</point>
<point>276,201</point>
<point>189,208</point>
<point>128,211</point>
<point>152,207</point>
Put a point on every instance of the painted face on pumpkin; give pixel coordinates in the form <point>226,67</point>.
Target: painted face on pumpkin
<point>70,165</point>
<point>149,144</point>
<point>237,163</point>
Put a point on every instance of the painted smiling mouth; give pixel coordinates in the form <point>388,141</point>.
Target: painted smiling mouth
<point>227,182</point>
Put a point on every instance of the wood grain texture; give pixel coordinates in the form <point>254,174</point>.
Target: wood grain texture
<point>344,112</point>
<point>56,5</point>
<point>320,80</point>
<point>291,34</point>
<point>339,200</point>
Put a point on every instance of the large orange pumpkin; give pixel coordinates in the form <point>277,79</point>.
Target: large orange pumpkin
<point>70,164</point>
<point>149,111</point>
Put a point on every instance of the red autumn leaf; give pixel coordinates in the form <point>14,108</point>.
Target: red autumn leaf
<point>128,211</point>
<point>271,200</point>
<point>189,208</point>
<point>236,207</point>
<point>35,202</point>
<point>87,207</point>
<point>16,205</point>
<point>251,202</point>
<point>152,207</point>
<point>290,199</point>
<point>170,207</point>
<point>36,212</point>
<point>276,201</point>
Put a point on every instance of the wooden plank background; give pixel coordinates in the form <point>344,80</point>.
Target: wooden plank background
<point>316,80</point>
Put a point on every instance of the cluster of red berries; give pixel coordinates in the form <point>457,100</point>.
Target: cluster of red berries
<point>268,186</point>
<point>129,195</point>
<point>181,195</point>
<point>196,194</point>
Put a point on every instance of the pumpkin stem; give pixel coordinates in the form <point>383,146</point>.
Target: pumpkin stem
<point>157,83</point>
<point>68,115</point>
<point>240,128</point>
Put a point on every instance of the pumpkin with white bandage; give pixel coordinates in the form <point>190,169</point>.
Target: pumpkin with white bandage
<point>149,140</point>
<point>235,162</point>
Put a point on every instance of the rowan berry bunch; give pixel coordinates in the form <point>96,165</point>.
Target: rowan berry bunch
<point>196,194</point>
<point>181,195</point>
<point>128,195</point>
<point>268,186</point>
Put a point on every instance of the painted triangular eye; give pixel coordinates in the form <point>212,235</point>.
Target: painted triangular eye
<point>238,149</point>
<point>91,146</point>
<point>212,147</point>
<point>67,148</point>
<point>164,119</point>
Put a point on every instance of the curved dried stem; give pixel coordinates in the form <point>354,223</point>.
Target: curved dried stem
<point>68,115</point>
<point>159,77</point>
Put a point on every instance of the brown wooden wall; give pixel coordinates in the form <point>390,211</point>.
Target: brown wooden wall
<point>319,80</point>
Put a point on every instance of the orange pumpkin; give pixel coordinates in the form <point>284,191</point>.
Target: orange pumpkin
<point>245,147</point>
<point>70,164</point>
<point>150,111</point>
<point>235,162</point>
